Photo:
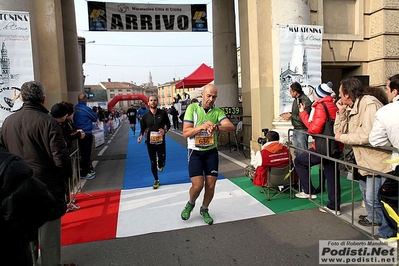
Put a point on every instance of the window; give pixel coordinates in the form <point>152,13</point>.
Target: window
<point>345,23</point>
<point>112,95</point>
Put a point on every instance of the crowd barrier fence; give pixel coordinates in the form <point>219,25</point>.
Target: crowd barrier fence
<point>346,165</point>
<point>75,185</point>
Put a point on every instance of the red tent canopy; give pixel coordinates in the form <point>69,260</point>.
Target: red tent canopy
<point>200,77</point>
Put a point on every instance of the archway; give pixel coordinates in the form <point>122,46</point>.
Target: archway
<point>126,97</point>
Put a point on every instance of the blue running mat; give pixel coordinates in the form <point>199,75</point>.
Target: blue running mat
<point>138,168</point>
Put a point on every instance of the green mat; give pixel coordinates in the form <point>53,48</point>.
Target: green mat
<point>283,203</point>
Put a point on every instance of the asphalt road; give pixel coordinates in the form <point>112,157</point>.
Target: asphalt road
<point>283,239</point>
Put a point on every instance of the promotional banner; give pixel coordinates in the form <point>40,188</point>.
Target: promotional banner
<point>15,59</point>
<point>300,60</point>
<point>146,17</point>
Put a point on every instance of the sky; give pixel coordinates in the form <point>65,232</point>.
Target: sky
<point>131,56</point>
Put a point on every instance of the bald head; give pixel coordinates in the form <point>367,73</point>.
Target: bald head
<point>82,97</point>
<point>210,87</point>
<point>209,96</point>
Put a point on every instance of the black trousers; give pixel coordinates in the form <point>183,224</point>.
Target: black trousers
<point>154,151</point>
<point>175,122</point>
<point>389,194</point>
<point>85,145</point>
<point>302,163</point>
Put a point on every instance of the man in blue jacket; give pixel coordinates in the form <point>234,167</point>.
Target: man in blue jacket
<point>84,118</point>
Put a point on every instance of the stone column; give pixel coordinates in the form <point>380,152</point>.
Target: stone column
<point>52,22</point>
<point>298,13</point>
<point>225,53</point>
<point>50,40</point>
<point>259,45</point>
<point>256,65</point>
<point>73,64</point>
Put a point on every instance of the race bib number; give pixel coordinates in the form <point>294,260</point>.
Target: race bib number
<point>203,140</point>
<point>155,137</point>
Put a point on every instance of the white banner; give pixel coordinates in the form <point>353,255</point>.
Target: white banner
<point>147,18</point>
<point>15,59</point>
<point>357,252</point>
<point>300,60</point>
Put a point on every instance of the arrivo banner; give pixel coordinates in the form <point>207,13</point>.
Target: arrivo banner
<point>147,17</point>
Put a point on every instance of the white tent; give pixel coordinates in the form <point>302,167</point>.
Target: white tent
<point>197,93</point>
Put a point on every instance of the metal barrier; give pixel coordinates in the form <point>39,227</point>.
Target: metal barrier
<point>75,185</point>
<point>341,161</point>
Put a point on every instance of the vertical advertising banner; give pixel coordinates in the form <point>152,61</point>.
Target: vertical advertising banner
<point>300,60</point>
<point>146,18</point>
<point>16,60</point>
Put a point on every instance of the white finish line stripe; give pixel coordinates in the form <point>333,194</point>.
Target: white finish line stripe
<point>140,207</point>
<point>243,165</point>
<point>102,151</point>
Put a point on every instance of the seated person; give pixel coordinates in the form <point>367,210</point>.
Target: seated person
<point>272,154</point>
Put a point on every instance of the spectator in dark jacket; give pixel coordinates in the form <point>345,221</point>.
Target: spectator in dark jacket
<point>175,117</point>
<point>299,139</point>
<point>20,194</point>
<point>32,134</point>
<point>71,133</point>
<point>63,113</point>
<point>315,123</point>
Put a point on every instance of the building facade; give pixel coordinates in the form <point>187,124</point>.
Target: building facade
<point>167,93</point>
<point>359,40</point>
<point>122,88</point>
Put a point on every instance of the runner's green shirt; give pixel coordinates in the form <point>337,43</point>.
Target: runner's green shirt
<point>196,114</point>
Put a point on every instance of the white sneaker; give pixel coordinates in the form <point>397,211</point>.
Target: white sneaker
<point>326,209</point>
<point>303,195</point>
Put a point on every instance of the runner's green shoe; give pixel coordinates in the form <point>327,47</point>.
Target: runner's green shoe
<point>207,218</point>
<point>156,184</point>
<point>185,214</point>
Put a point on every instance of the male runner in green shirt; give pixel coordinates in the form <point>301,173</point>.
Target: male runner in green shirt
<point>201,122</point>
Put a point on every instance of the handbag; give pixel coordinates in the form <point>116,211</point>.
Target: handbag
<point>321,143</point>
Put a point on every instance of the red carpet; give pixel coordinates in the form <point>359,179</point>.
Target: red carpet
<point>95,220</point>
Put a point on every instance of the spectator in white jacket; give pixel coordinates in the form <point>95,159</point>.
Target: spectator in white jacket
<point>385,132</point>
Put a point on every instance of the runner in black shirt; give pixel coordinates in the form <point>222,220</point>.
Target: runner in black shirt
<point>131,114</point>
<point>155,124</point>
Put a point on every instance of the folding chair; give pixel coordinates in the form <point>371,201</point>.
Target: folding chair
<point>279,180</point>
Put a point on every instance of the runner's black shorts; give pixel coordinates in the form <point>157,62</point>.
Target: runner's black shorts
<point>202,163</point>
